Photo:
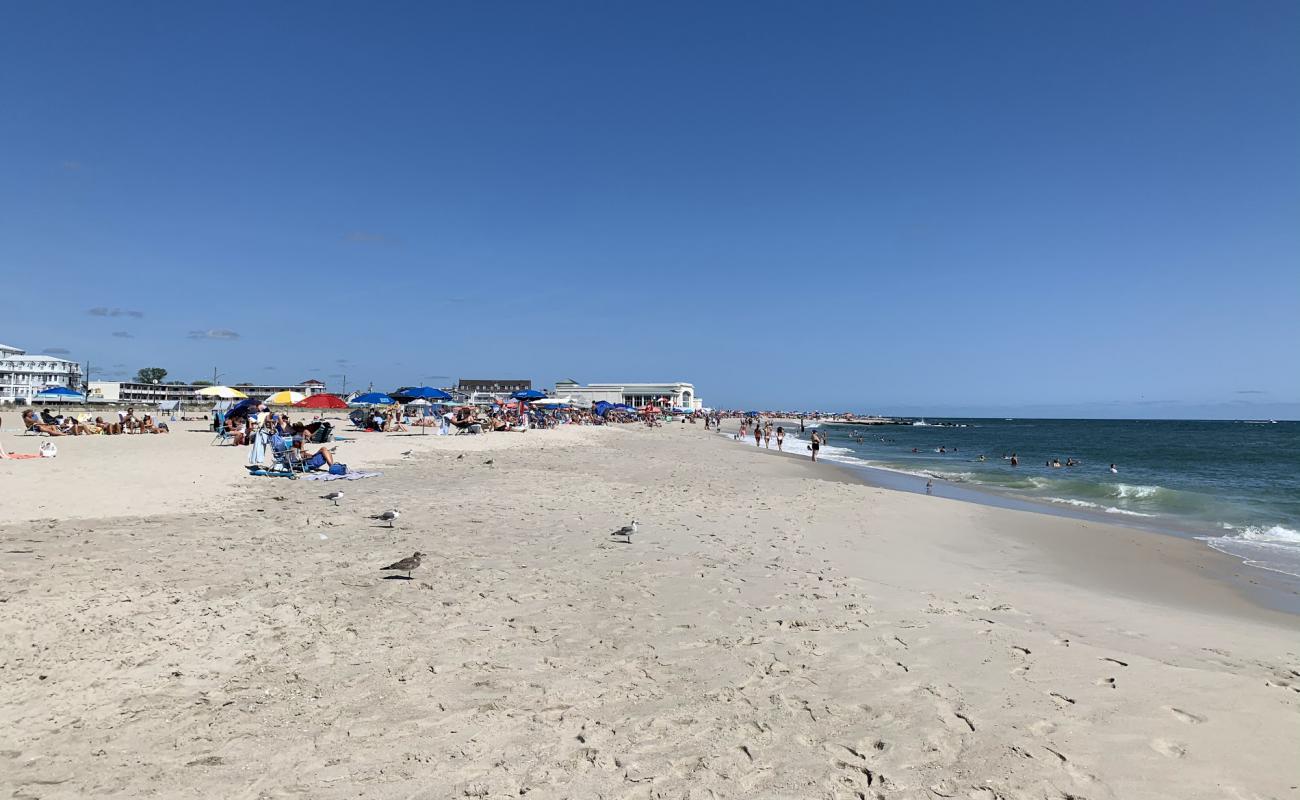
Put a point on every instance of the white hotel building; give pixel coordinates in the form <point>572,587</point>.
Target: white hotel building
<point>633,394</point>
<point>22,376</point>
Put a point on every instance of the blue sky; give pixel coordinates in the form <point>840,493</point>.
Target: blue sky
<point>1085,209</point>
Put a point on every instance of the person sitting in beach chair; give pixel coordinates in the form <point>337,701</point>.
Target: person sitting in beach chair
<point>321,458</point>
<point>33,424</point>
<point>128,420</point>
<point>283,454</point>
<point>319,432</point>
<point>464,420</point>
<point>147,425</point>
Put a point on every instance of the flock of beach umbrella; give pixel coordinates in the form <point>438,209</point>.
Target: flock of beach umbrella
<point>411,562</point>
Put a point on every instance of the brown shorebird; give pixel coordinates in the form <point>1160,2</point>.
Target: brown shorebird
<point>405,565</point>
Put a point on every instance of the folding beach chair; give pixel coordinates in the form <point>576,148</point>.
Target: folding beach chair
<point>219,421</point>
<point>284,457</point>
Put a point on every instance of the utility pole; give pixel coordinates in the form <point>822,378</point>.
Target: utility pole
<point>345,385</point>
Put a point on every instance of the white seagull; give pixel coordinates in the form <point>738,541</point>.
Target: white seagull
<point>335,495</point>
<point>388,516</point>
<point>626,532</point>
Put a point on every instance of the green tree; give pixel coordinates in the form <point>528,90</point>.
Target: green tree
<point>150,375</point>
<point>201,383</point>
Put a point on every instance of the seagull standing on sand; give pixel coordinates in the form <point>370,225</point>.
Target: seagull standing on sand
<point>388,516</point>
<point>626,532</point>
<point>407,453</point>
<point>335,496</point>
<point>405,565</point>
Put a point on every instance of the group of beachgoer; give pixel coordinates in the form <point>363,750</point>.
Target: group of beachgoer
<point>127,422</point>
<point>763,433</point>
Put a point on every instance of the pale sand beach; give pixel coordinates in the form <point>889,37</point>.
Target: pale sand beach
<point>173,628</point>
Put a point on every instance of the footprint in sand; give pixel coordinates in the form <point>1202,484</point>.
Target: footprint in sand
<point>1186,716</point>
<point>1061,699</point>
<point>1168,749</point>
<point>1043,728</point>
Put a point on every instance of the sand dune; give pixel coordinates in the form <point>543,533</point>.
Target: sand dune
<point>172,628</point>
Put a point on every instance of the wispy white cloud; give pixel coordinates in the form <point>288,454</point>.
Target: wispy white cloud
<point>102,311</point>
<point>1250,391</point>
<point>218,334</point>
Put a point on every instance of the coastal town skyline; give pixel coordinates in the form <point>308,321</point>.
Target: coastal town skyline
<point>860,208</point>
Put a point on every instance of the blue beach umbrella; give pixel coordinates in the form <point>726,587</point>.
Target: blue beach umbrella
<point>60,393</point>
<point>422,393</point>
<point>372,399</point>
<point>528,394</point>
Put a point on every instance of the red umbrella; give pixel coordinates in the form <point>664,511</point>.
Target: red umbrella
<point>321,401</point>
<point>650,410</point>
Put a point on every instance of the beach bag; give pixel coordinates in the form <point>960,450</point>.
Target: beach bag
<point>49,450</point>
<point>338,469</point>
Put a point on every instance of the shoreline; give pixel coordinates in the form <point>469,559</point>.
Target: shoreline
<point>1261,587</point>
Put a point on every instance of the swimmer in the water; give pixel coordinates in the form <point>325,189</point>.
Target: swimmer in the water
<point>1015,462</point>
<point>1114,470</point>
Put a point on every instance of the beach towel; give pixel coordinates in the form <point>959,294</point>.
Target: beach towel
<point>271,473</point>
<point>7,456</point>
<point>351,476</point>
<point>257,453</point>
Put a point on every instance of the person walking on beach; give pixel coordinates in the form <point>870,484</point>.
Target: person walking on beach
<point>780,439</point>
<point>758,434</point>
<point>767,436</point>
<point>816,445</point>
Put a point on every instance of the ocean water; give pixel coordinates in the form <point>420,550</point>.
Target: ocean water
<point>1234,485</point>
